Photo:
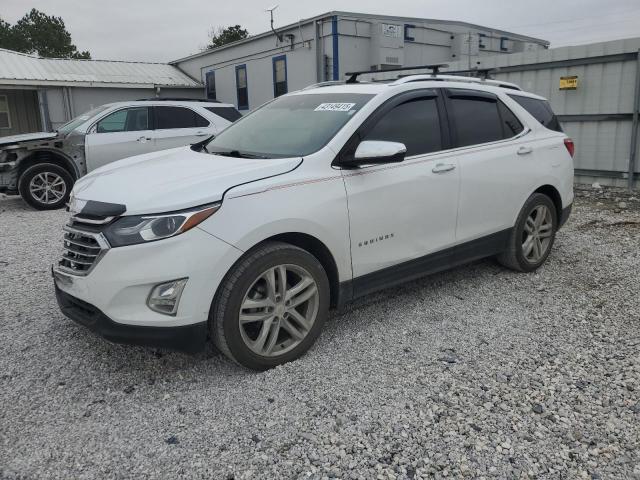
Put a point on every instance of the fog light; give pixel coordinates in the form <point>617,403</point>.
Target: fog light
<point>164,297</point>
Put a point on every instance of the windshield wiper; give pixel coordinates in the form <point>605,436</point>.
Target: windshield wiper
<point>237,154</point>
<point>202,144</point>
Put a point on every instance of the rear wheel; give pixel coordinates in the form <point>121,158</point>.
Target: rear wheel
<point>45,186</point>
<point>270,307</point>
<point>532,236</point>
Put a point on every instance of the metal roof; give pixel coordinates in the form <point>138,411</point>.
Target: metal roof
<point>23,69</point>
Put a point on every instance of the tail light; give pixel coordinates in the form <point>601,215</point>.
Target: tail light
<point>571,148</point>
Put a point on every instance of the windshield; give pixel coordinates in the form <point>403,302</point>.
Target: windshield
<point>80,119</point>
<point>291,126</point>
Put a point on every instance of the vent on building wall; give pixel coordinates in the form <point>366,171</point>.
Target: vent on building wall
<point>392,60</point>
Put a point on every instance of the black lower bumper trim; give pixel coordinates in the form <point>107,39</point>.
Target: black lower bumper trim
<point>188,338</point>
<point>566,213</point>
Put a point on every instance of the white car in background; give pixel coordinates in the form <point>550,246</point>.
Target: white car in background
<point>316,198</point>
<point>42,167</point>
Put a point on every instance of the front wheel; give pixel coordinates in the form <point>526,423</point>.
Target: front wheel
<point>533,235</point>
<point>45,186</point>
<point>270,307</point>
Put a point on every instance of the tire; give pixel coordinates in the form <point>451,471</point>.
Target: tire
<point>521,252</point>
<point>268,341</point>
<point>34,180</point>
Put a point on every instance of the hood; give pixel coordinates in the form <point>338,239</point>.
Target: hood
<point>26,137</point>
<point>174,179</point>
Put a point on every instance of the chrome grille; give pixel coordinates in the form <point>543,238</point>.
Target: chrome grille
<point>82,250</point>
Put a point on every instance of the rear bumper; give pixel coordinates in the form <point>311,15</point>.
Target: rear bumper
<point>187,338</point>
<point>566,213</point>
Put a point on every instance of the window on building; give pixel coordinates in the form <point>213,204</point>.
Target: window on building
<point>5,118</point>
<point>228,113</point>
<point>241,87</point>
<point>178,117</point>
<point>511,126</point>
<point>210,80</point>
<point>415,123</point>
<point>476,118</point>
<point>279,75</point>
<point>540,110</point>
<point>126,120</point>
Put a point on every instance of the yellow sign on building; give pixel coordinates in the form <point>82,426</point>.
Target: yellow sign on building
<point>569,83</point>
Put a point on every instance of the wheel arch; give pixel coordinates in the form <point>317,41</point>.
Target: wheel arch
<point>553,193</point>
<point>318,249</point>
<point>48,156</point>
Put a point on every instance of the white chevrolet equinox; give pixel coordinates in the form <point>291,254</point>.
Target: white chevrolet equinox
<point>316,198</point>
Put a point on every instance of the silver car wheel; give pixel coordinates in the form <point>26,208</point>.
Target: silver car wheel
<point>48,188</point>
<point>537,234</point>
<point>278,310</point>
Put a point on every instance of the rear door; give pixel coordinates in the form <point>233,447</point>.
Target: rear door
<point>176,126</point>
<point>118,135</point>
<point>495,153</point>
<point>401,212</point>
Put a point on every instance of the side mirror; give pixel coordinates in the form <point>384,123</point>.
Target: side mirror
<point>373,152</point>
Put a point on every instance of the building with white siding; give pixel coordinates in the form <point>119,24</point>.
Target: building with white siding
<point>252,71</point>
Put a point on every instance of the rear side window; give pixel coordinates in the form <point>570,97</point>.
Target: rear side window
<point>178,117</point>
<point>228,113</point>
<point>540,110</point>
<point>415,123</point>
<point>476,119</point>
<point>511,126</point>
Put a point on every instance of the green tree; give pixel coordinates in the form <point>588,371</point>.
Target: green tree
<point>39,33</point>
<point>222,35</point>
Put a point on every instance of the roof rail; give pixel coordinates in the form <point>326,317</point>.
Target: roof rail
<point>455,78</point>
<point>176,99</point>
<point>435,68</point>
<point>328,83</point>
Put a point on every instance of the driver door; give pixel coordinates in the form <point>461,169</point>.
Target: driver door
<point>123,133</point>
<point>400,213</point>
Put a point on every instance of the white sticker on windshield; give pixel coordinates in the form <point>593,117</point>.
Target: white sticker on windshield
<point>334,107</point>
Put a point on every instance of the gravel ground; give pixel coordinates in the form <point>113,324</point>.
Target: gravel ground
<point>478,372</point>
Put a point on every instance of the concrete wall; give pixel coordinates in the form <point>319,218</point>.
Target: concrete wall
<point>24,112</point>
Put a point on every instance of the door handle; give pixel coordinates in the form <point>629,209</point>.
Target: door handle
<point>524,150</point>
<point>201,134</point>
<point>443,167</point>
<point>143,139</point>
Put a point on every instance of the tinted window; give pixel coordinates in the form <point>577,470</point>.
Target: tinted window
<point>511,126</point>
<point>540,110</point>
<point>228,113</point>
<point>290,126</point>
<point>476,120</point>
<point>178,117</point>
<point>127,120</point>
<point>415,123</point>
<point>279,76</point>
<point>241,87</point>
<point>211,85</point>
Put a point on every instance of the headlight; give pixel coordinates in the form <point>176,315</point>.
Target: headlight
<point>148,228</point>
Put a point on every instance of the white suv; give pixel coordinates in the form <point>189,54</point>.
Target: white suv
<point>42,167</point>
<point>318,197</point>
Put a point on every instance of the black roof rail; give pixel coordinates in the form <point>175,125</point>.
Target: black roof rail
<point>176,99</point>
<point>435,69</point>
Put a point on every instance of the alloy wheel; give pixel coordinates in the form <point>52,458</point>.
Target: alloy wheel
<point>48,188</point>
<point>278,310</point>
<point>537,234</point>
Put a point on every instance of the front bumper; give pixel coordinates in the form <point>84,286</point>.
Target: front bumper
<point>187,338</point>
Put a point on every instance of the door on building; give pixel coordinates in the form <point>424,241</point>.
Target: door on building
<point>121,134</point>
<point>19,112</point>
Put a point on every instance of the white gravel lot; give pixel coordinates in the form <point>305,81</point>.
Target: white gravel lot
<point>478,372</point>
